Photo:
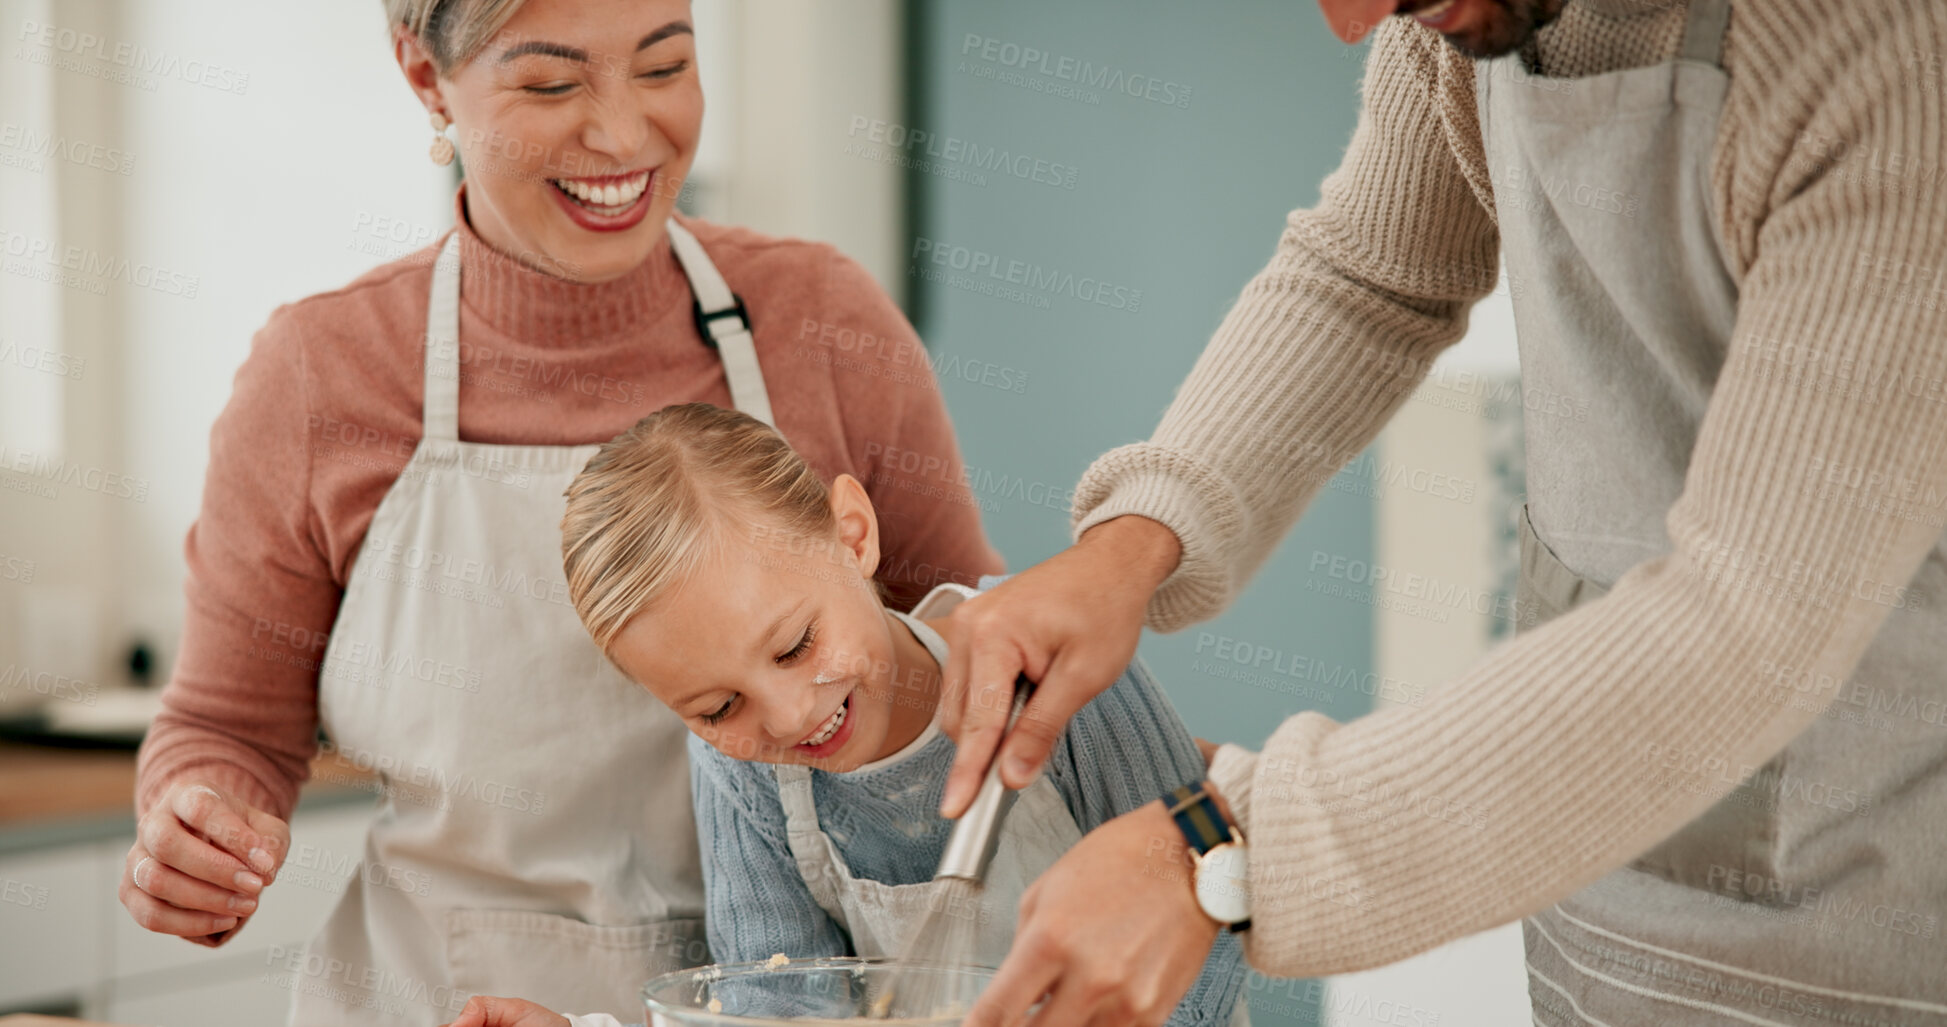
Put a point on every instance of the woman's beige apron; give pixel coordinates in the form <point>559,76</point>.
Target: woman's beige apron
<point>534,835</point>
<point>1814,892</point>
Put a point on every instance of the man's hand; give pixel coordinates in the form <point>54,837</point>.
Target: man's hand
<point>487,1011</point>
<point>200,860</point>
<point>1111,933</point>
<point>1070,624</point>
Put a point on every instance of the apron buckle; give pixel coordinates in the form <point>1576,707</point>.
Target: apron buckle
<point>706,322</point>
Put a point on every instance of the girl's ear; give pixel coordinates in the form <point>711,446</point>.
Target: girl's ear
<point>858,525</point>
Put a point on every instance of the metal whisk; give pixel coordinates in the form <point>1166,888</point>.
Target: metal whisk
<point>946,936</point>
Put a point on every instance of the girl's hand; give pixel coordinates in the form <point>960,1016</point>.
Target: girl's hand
<point>1209,750</point>
<point>487,1011</point>
<point>200,860</point>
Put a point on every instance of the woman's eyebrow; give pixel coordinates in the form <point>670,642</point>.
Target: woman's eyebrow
<point>580,56</point>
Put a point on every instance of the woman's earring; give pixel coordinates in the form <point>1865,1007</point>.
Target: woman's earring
<point>442,151</point>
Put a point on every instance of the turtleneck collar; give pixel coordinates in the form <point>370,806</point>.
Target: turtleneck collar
<point>538,308</point>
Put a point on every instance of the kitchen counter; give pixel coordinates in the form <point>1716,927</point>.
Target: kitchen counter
<point>56,796</point>
<point>30,1020</point>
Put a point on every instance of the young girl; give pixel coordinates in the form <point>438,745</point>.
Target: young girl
<point>716,569</point>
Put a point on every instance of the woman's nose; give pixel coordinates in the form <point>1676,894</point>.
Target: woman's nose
<point>617,129</point>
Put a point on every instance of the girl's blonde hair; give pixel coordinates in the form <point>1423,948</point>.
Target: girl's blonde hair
<point>452,31</point>
<point>646,511</point>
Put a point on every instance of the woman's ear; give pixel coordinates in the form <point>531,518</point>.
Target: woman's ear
<point>858,525</point>
<point>420,71</point>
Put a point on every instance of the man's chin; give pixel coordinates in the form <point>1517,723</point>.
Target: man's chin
<point>1504,27</point>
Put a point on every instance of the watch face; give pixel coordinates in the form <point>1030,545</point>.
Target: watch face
<point>1224,883</point>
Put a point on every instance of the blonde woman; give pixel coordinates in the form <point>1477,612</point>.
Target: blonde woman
<point>377,553</point>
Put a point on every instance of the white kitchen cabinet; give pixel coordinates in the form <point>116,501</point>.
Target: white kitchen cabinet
<point>68,939</point>
<point>239,999</point>
<point>53,917</point>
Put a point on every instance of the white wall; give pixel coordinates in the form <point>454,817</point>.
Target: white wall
<point>276,152</point>
<point>1478,980</point>
<point>799,70</point>
<point>265,196</point>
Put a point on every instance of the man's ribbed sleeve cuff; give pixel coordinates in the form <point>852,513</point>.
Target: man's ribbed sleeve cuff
<point>1177,491</point>
<point>1231,771</point>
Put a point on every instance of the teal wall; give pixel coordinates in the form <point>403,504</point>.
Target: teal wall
<point>1181,203</point>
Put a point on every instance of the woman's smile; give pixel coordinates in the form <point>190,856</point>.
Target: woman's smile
<point>608,203</point>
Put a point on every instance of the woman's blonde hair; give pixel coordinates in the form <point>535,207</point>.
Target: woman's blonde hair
<point>652,502</point>
<point>452,31</point>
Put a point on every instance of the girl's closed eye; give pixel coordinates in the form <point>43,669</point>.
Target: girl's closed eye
<point>803,645</point>
<point>717,715</point>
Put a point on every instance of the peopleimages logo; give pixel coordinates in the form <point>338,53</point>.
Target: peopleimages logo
<point>131,57</point>
<point>918,143</point>
<point>26,140</point>
<point>94,266</point>
<point>1027,60</point>
<point>1024,274</point>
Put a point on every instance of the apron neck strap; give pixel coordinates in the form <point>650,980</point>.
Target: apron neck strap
<point>1703,31</point>
<point>819,863</point>
<point>724,325</point>
<point>794,794</point>
<point>720,317</point>
<point>929,638</point>
<point>441,412</point>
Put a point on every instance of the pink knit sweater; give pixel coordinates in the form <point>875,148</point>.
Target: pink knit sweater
<point>326,412</point>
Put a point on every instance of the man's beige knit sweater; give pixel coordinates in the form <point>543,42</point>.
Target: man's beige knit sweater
<point>1829,179</point>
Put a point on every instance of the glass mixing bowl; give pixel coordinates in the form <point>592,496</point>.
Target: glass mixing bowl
<point>801,992</point>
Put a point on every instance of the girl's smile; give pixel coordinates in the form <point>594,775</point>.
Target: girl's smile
<point>831,735</point>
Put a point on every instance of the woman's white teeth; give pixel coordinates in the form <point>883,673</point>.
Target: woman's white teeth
<point>611,194</point>
<point>830,728</point>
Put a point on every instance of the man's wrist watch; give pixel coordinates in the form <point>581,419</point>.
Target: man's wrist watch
<point>1223,868</point>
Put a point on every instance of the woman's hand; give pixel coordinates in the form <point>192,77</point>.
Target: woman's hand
<point>1208,749</point>
<point>200,860</point>
<point>1111,933</point>
<point>1070,624</point>
<point>487,1011</point>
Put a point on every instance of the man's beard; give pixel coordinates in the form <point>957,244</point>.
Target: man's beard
<point>1507,28</point>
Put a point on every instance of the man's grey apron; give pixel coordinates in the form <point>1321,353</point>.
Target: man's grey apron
<point>1813,893</point>
<point>534,835</point>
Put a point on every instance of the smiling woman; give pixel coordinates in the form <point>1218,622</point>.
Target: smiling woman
<point>387,479</point>
<point>577,121</point>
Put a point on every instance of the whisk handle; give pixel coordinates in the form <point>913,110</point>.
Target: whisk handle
<point>978,832</point>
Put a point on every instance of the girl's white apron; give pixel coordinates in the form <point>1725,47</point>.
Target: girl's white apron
<point>881,918</point>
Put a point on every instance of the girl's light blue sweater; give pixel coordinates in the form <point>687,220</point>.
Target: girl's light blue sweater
<point>1124,749</point>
